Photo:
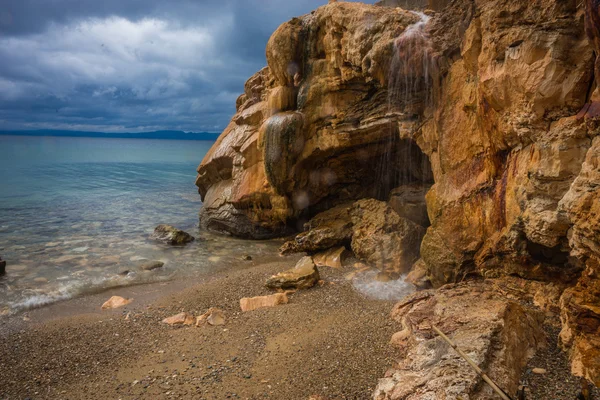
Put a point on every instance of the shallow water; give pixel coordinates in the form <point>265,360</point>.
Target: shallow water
<point>74,212</point>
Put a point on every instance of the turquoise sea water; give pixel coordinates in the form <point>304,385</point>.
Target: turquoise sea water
<point>74,212</point>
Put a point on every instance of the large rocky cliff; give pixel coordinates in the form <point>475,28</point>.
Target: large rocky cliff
<point>491,114</point>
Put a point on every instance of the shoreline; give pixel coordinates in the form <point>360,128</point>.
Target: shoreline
<point>329,340</point>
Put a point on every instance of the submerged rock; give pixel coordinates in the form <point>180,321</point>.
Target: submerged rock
<point>180,319</point>
<point>115,302</point>
<point>171,235</point>
<point>303,276</point>
<point>152,265</point>
<point>254,303</point>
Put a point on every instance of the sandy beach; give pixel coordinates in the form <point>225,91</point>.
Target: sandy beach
<point>329,340</point>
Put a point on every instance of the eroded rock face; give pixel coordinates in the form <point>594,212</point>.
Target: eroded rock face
<point>506,117</point>
<point>312,129</point>
<point>499,336</point>
<point>374,231</point>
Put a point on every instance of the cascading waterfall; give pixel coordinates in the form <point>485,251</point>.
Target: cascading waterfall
<point>409,93</point>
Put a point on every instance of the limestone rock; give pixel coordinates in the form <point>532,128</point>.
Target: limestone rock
<point>328,229</point>
<point>151,265</point>
<point>182,318</point>
<point>254,303</point>
<point>333,258</point>
<point>499,335</point>
<point>303,276</point>
<point>214,317</point>
<point>171,235</point>
<point>115,302</point>
<point>384,239</point>
<point>418,275</point>
<point>409,202</point>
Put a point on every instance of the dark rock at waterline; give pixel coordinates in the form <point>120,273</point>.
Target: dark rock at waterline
<point>152,265</point>
<point>171,235</point>
<point>2,267</point>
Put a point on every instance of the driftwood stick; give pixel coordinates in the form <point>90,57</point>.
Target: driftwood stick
<point>482,374</point>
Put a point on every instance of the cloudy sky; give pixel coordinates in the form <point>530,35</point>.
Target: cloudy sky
<point>132,65</point>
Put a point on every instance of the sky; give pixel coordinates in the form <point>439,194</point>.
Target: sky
<point>132,65</point>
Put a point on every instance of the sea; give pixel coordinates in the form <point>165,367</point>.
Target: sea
<point>76,215</point>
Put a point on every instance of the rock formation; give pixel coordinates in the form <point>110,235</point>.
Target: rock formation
<point>493,110</point>
<point>499,336</point>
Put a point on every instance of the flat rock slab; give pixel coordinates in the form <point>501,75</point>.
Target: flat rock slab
<point>254,303</point>
<point>115,302</point>
<point>171,235</point>
<point>303,276</point>
<point>180,319</point>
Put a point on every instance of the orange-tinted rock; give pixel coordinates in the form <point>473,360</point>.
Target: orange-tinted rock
<point>499,335</point>
<point>115,302</point>
<point>180,319</point>
<point>303,276</point>
<point>333,258</point>
<point>213,317</point>
<point>254,303</point>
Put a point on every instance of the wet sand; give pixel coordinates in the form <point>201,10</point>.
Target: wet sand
<point>329,340</point>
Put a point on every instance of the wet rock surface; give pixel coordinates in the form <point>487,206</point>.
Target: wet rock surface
<point>171,235</point>
<point>375,232</point>
<point>501,118</point>
<point>150,266</point>
<point>2,267</point>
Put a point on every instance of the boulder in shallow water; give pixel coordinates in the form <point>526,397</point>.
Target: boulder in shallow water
<point>171,235</point>
<point>152,265</point>
<point>180,319</point>
<point>303,276</point>
<point>115,302</point>
<point>2,267</point>
<point>254,303</point>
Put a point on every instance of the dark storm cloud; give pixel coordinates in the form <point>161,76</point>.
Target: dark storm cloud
<point>132,65</point>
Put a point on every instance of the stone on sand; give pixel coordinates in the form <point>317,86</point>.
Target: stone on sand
<point>254,303</point>
<point>115,302</point>
<point>213,316</point>
<point>171,235</point>
<point>180,319</point>
<point>330,258</point>
<point>303,276</point>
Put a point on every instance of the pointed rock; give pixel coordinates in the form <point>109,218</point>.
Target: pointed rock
<point>303,276</point>
<point>115,302</point>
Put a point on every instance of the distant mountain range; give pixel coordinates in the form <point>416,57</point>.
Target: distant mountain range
<point>172,135</point>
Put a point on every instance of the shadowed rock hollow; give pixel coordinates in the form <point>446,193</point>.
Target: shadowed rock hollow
<point>501,131</point>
